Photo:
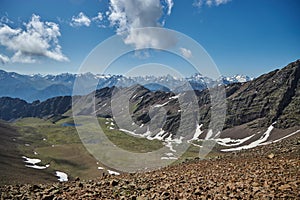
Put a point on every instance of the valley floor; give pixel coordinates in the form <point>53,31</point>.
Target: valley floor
<point>265,172</point>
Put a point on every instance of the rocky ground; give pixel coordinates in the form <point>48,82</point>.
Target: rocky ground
<point>265,172</point>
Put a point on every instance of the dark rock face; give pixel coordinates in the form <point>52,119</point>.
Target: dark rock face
<point>17,108</point>
<point>290,109</point>
<point>271,97</point>
<point>12,108</point>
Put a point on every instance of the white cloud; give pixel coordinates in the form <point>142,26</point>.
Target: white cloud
<point>170,4</point>
<point>4,59</point>
<point>20,57</point>
<point>219,2</point>
<point>98,20</point>
<point>186,52</point>
<point>150,38</point>
<point>99,17</point>
<point>80,20</point>
<point>209,3</point>
<point>39,39</point>
<point>127,16</point>
<point>198,3</point>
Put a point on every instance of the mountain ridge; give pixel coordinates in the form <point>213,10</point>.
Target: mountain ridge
<point>41,87</point>
<point>271,97</point>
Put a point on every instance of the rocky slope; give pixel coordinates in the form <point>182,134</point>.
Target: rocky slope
<point>269,97</point>
<point>266,172</point>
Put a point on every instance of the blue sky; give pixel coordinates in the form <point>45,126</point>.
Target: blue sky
<point>242,36</point>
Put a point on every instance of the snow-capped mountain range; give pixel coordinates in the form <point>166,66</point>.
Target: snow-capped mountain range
<point>41,87</point>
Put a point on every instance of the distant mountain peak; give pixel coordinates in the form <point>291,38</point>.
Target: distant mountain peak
<point>238,78</point>
<point>39,85</point>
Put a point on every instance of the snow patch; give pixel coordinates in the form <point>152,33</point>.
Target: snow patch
<point>113,172</point>
<point>170,146</point>
<point>129,132</point>
<point>256,143</point>
<point>174,97</point>
<point>168,158</point>
<point>37,166</point>
<point>160,135</point>
<point>209,135</point>
<point>147,133</point>
<point>289,135</point>
<point>228,142</point>
<point>196,145</point>
<point>198,132</point>
<point>134,96</point>
<point>169,154</point>
<point>175,140</point>
<point>161,105</point>
<point>32,161</point>
<point>62,177</point>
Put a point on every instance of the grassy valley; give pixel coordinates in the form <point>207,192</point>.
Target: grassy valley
<point>61,148</point>
<point>59,145</point>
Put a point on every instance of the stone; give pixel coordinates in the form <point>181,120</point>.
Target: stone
<point>48,197</point>
<point>34,187</point>
<point>114,183</point>
<point>284,187</point>
<point>80,184</point>
<point>197,192</point>
<point>271,156</point>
